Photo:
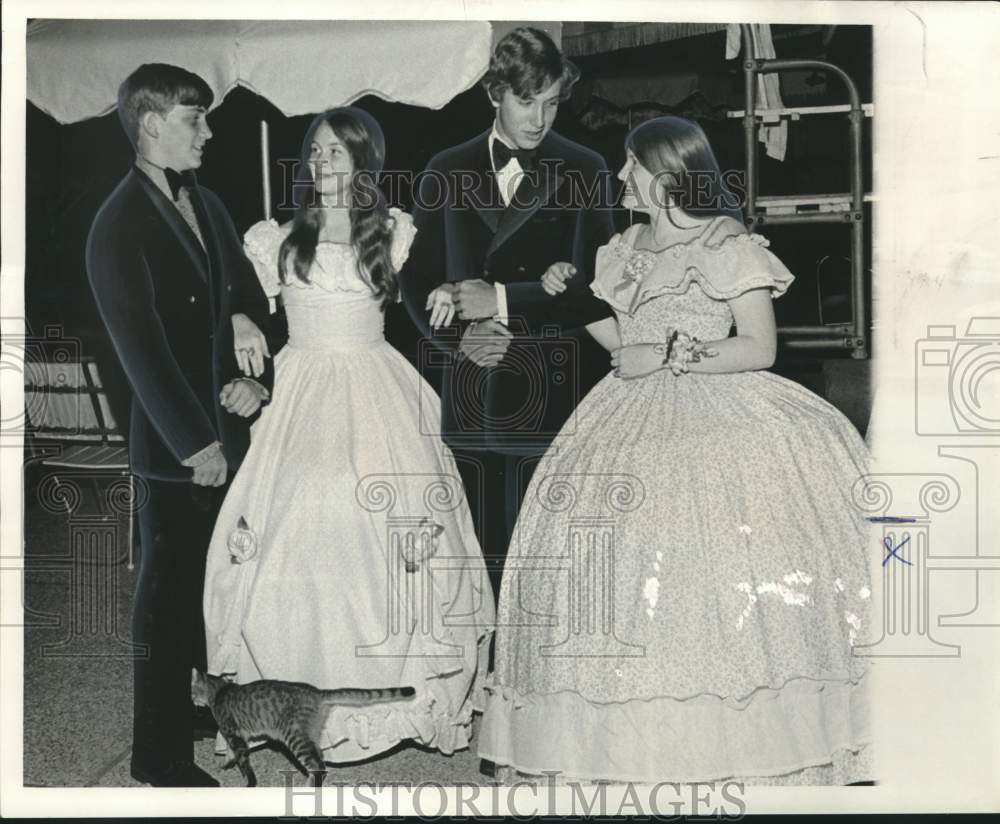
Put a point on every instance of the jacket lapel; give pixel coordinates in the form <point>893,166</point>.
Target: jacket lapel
<point>534,191</point>
<point>177,224</point>
<point>211,247</point>
<point>485,198</point>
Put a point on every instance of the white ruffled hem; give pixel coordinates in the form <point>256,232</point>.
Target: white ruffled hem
<point>844,767</point>
<point>805,725</point>
<point>430,720</point>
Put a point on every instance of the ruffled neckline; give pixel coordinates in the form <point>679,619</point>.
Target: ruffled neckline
<point>335,266</point>
<point>628,277</point>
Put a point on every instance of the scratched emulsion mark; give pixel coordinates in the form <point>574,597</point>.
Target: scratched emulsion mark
<point>923,49</point>
<point>783,590</point>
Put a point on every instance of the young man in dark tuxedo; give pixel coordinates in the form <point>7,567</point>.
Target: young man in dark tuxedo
<point>184,311</point>
<point>492,216</point>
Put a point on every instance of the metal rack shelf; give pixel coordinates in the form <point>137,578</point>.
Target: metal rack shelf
<point>846,208</point>
<point>795,112</point>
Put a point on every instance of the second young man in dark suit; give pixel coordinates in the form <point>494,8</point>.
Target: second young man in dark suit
<point>492,216</point>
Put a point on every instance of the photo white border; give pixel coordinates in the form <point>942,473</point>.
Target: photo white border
<point>936,255</point>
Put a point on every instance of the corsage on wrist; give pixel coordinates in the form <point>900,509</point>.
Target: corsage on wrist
<point>681,349</point>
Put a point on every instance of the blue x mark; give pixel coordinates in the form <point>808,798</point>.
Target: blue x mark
<point>893,552</point>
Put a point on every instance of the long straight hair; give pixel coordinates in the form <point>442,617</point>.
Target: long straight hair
<point>371,235</point>
<point>676,151</point>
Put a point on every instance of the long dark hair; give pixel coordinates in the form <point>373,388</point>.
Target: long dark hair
<point>371,235</point>
<point>676,151</point>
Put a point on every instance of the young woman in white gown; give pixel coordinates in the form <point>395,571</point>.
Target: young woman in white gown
<point>688,578</point>
<point>344,554</point>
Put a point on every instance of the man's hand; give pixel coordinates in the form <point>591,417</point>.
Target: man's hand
<point>250,346</point>
<point>555,277</point>
<point>441,306</point>
<point>241,397</point>
<point>636,361</point>
<point>485,342</point>
<point>212,472</point>
<point>475,299</point>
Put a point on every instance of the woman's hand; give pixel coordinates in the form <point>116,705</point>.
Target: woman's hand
<point>250,346</point>
<point>555,277</point>
<point>441,306</point>
<point>636,361</point>
<point>684,351</point>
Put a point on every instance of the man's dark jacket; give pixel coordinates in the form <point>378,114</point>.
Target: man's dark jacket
<point>167,303</point>
<point>560,212</point>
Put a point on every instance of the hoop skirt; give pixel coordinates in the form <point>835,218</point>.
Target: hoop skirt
<point>358,565</point>
<point>688,578</point>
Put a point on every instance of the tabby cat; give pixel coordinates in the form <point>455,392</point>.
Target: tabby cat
<point>290,713</point>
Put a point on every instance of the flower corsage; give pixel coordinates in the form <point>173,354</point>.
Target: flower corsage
<point>242,542</point>
<point>682,349</point>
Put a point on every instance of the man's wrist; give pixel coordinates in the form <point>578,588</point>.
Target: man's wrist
<point>502,315</point>
<point>262,393</point>
<point>262,390</point>
<point>203,455</point>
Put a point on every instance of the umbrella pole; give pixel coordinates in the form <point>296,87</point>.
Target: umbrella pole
<point>265,168</point>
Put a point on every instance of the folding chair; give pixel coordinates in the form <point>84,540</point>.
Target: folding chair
<point>71,426</point>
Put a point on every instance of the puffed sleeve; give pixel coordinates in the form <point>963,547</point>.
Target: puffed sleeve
<point>736,264</point>
<point>261,243</point>
<point>614,279</point>
<point>403,232</point>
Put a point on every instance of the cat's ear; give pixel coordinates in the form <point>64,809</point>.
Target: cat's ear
<point>194,676</point>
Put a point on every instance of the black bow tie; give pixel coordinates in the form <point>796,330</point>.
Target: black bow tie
<point>503,154</point>
<point>178,180</point>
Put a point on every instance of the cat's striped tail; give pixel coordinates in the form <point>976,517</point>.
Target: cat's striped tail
<point>362,698</point>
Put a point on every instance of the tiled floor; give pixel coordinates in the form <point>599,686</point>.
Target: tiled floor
<point>78,680</point>
<point>78,677</point>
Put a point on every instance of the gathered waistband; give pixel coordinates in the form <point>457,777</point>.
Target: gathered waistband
<point>338,344</point>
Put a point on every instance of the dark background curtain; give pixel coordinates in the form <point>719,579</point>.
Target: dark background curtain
<point>72,168</point>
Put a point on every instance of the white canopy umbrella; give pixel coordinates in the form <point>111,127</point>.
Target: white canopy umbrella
<point>75,66</point>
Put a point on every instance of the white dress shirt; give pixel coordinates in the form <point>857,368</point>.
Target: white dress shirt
<point>508,179</point>
<point>510,176</point>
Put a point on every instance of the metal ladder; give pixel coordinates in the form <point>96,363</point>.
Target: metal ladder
<point>845,209</point>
